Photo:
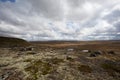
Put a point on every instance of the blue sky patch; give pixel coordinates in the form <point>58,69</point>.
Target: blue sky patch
<point>7,0</point>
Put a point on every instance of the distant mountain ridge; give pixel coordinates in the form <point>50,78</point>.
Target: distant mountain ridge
<point>75,41</point>
<point>12,42</point>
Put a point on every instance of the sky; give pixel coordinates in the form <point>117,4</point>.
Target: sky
<point>35,20</point>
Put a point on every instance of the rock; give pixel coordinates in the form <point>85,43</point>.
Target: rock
<point>10,74</point>
<point>85,51</point>
<point>29,49</point>
<point>70,49</point>
<point>111,52</point>
<point>98,52</point>
<point>92,55</point>
<point>26,49</point>
<point>5,75</point>
<point>95,53</point>
<point>69,58</point>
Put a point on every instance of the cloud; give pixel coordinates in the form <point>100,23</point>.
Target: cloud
<point>60,19</point>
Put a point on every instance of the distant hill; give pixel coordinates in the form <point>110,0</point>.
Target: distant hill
<point>12,42</point>
<point>101,44</point>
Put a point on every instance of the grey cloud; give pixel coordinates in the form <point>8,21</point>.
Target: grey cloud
<point>117,26</point>
<point>113,16</point>
<point>48,19</point>
<point>47,8</point>
<point>76,3</point>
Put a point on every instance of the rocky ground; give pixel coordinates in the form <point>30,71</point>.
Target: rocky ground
<point>45,63</point>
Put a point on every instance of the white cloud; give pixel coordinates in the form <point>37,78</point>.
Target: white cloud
<point>61,19</point>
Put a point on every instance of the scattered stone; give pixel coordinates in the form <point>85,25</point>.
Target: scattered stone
<point>11,74</point>
<point>95,53</point>
<point>98,52</point>
<point>85,51</point>
<point>92,55</point>
<point>111,52</point>
<point>69,58</point>
<point>4,76</point>
<point>70,49</point>
<point>26,49</point>
<point>29,49</point>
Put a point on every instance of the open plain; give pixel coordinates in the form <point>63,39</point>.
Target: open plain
<point>61,60</point>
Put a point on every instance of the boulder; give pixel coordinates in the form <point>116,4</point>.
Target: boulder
<point>95,53</point>
<point>26,49</point>
<point>70,49</point>
<point>111,52</point>
<point>85,51</point>
<point>29,49</point>
<point>92,55</point>
<point>98,52</point>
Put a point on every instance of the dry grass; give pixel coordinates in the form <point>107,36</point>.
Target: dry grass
<point>50,63</point>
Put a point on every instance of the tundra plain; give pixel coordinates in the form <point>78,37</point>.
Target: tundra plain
<point>61,60</point>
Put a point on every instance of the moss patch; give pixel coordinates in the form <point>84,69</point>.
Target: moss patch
<point>84,68</point>
<point>111,67</point>
<point>55,61</point>
<point>38,68</point>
